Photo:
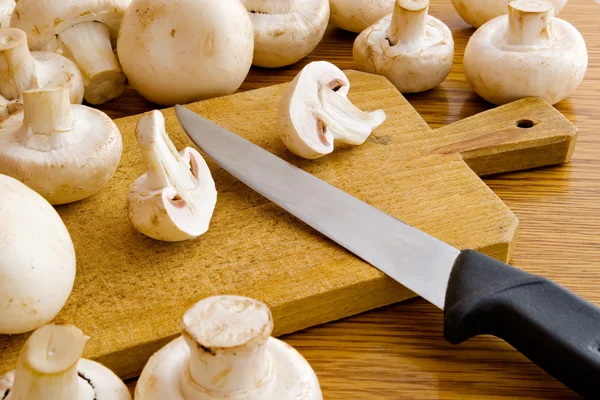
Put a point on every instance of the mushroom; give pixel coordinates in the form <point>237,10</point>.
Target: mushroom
<point>179,51</point>
<point>84,31</point>
<point>50,367</point>
<point>175,199</point>
<point>226,352</point>
<point>528,52</point>
<point>358,15</point>
<point>37,259</point>
<point>314,112</point>
<point>64,152</point>
<point>6,9</point>
<point>478,12</point>
<point>412,49</point>
<point>286,31</point>
<point>21,70</point>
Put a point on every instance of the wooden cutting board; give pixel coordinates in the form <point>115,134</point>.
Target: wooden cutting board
<point>130,290</point>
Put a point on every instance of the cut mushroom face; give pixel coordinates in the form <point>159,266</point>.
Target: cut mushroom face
<point>6,9</point>
<point>285,31</point>
<point>85,31</point>
<point>528,52</point>
<point>315,112</point>
<point>226,352</point>
<point>175,199</point>
<point>358,15</point>
<point>412,49</point>
<point>50,367</point>
<point>64,152</point>
<point>478,12</point>
<point>21,70</point>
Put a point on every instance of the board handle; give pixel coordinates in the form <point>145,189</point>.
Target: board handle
<point>551,326</point>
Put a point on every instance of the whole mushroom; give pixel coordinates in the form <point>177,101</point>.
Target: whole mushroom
<point>528,52</point>
<point>6,9</point>
<point>412,49</point>
<point>175,199</point>
<point>286,31</point>
<point>179,51</point>
<point>478,12</point>
<point>85,31</point>
<point>64,152</point>
<point>226,352</point>
<point>50,367</point>
<point>358,15</point>
<point>37,259</point>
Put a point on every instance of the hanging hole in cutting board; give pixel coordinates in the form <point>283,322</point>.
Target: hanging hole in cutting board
<point>525,123</point>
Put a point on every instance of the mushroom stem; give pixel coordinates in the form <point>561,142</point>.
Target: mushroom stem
<point>17,65</point>
<point>47,111</point>
<point>408,22</point>
<point>529,23</point>
<point>88,45</point>
<point>346,122</point>
<point>47,366</point>
<point>272,7</point>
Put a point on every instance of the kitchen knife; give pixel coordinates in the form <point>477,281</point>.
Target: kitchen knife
<point>553,327</point>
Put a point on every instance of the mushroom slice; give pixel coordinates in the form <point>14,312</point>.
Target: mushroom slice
<point>21,70</point>
<point>478,12</point>
<point>6,9</point>
<point>358,15</point>
<point>286,31</point>
<point>85,31</point>
<point>175,199</point>
<point>226,352</point>
<point>314,112</point>
<point>412,49</point>
<point>528,52</point>
<point>50,367</point>
<point>64,152</point>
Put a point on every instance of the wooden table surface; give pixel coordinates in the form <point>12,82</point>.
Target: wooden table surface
<point>399,352</point>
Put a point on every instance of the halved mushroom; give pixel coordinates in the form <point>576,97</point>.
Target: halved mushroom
<point>314,112</point>
<point>286,31</point>
<point>412,49</point>
<point>85,31</point>
<point>6,9</point>
<point>50,367</point>
<point>478,12</point>
<point>358,15</point>
<point>64,152</point>
<point>21,70</point>
<point>226,352</point>
<point>175,199</point>
<point>528,52</point>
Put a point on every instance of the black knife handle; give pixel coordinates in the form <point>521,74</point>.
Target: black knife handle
<point>551,326</point>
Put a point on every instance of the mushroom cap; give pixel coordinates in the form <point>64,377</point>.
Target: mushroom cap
<point>160,215</point>
<point>282,39</point>
<point>478,12</point>
<point>67,166</point>
<point>501,73</point>
<point>410,70</point>
<point>37,259</point>
<point>179,51</point>
<point>59,71</point>
<point>42,20</point>
<point>358,15</point>
<point>6,9</point>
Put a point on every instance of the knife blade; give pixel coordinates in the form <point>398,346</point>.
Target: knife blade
<point>551,326</point>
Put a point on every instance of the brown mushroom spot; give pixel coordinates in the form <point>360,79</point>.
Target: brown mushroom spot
<point>220,376</point>
<point>58,21</point>
<point>147,15</point>
<point>83,14</point>
<point>209,44</point>
<point>206,349</point>
<point>154,220</point>
<point>173,31</point>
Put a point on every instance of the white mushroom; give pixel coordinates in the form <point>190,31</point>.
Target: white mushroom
<point>175,199</point>
<point>226,352</point>
<point>6,9</point>
<point>179,51</point>
<point>412,49</point>
<point>478,12</point>
<point>64,152</point>
<point>286,31</point>
<point>85,31</point>
<point>358,15</point>
<point>21,70</point>
<point>50,367</point>
<point>525,53</point>
<point>37,259</point>
<point>314,112</point>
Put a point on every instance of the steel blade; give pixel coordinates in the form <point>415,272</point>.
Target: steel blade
<point>417,260</point>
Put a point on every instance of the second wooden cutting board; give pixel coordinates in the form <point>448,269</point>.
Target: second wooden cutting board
<point>131,291</point>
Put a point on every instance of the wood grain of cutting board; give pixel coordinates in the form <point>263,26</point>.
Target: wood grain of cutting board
<point>130,290</point>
